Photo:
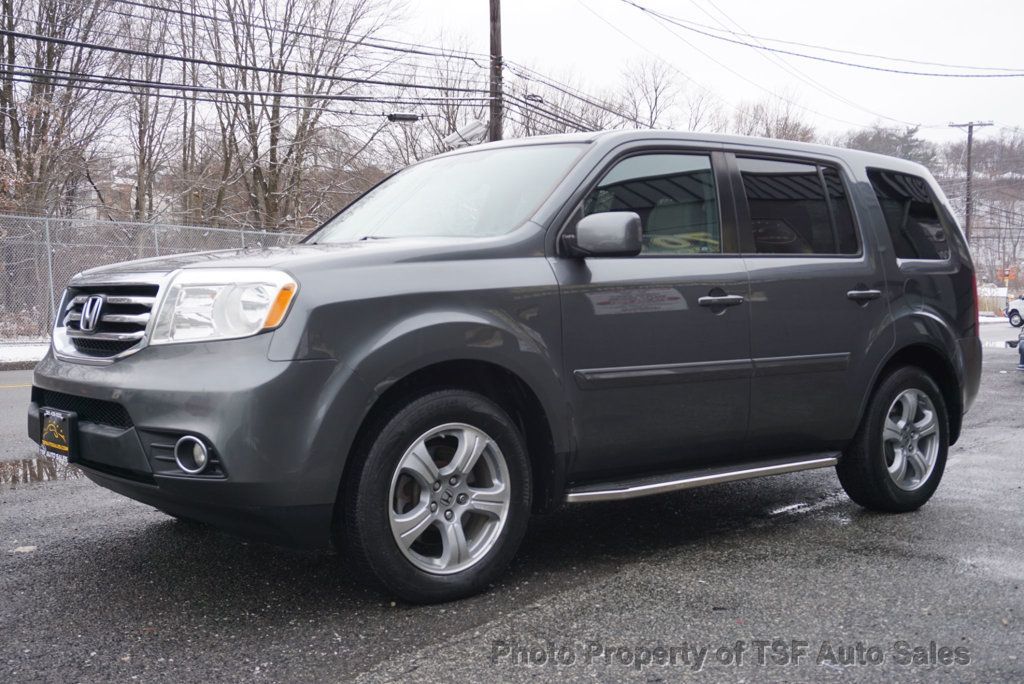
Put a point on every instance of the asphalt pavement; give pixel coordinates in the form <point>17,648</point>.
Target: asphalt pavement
<point>781,579</point>
<point>15,389</point>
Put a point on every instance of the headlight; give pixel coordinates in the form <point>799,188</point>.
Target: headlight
<point>202,305</point>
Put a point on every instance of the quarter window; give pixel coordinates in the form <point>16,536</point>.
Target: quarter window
<point>797,208</point>
<point>915,223</point>
<point>675,197</point>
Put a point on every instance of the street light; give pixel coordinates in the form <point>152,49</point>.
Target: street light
<point>403,117</point>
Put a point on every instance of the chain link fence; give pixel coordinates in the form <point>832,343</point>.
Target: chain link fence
<point>38,256</point>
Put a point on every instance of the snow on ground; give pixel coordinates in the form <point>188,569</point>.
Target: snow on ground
<point>996,332</point>
<point>20,353</point>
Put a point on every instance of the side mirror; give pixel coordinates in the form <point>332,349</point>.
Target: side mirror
<point>608,234</point>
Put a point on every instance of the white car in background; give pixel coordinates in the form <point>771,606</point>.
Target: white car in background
<point>1015,312</point>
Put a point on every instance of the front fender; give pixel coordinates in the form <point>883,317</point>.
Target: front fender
<point>438,336</point>
<point>382,322</point>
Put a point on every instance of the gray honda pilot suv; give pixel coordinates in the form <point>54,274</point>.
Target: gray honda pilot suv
<point>509,328</point>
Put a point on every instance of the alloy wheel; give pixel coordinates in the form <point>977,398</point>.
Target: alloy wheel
<point>449,498</point>
<point>910,439</point>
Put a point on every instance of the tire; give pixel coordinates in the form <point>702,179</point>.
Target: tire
<point>1016,320</point>
<point>870,469</point>
<point>461,526</point>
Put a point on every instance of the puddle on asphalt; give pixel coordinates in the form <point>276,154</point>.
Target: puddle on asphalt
<point>28,470</point>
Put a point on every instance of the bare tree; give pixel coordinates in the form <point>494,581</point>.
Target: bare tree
<point>272,136</point>
<point>703,111</point>
<point>149,116</point>
<point>772,118</point>
<point>650,94</point>
<point>51,132</point>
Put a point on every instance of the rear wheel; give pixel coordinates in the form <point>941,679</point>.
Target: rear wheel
<point>897,459</point>
<point>1016,320</point>
<point>437,505</point>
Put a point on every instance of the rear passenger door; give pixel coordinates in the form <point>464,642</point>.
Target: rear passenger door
<point>819,318</point>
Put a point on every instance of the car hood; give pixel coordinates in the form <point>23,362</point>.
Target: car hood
<point>297,258</point>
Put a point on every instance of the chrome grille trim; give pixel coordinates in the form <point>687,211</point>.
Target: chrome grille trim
<point>132,319</point>
<point>108,336</point>
<point>119,333</point>
<point>129,299</point>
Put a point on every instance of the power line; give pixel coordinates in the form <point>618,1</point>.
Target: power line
<point>364,64</point>
<point>293,31</point>
<point>529,74</point>
<point>181,87</point>
<point>364,58</point>
<point>307,31</point>
<point>817,58</point>
<point>781,62</point>
<point>418,49</point>
<point>43,80</point>
<point>672,66</point>
<point>743,32</point>
<point>228,65</point>
<point>727,68</point>
<point>531,107</point>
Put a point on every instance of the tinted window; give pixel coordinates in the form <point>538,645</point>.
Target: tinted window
<point>675,196</point>
<point>472,194</point>
<point>842,215</point>
<point>797,208</point>
<point>915,223</point>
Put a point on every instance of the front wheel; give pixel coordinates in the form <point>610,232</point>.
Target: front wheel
<point>437,505</point>
<point>1015,319</point>
<point>899,453</point>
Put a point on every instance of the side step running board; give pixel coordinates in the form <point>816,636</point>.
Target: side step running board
<point>631,489</point>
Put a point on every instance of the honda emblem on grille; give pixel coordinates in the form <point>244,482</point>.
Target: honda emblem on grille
<point>91,313</point>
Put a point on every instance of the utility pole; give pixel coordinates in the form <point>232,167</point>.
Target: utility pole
<point>969,199</point>
<point>494,131</point>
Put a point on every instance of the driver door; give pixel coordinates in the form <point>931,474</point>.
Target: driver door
<point>657,346</point>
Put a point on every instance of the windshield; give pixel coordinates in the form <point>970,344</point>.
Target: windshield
<point>476,194</point>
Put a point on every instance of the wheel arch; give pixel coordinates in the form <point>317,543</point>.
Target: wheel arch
<point>929,358</point>
<point>493,380</point>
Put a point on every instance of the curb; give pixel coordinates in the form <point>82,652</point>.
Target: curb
<point>17,365</point>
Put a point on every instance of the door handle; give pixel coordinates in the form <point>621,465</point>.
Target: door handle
<point>720,300</point>
<point>863,296</point>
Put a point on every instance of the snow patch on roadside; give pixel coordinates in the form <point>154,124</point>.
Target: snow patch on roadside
<point>19,353</point>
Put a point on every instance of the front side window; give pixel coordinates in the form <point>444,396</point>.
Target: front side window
<point>915,223</point>
<point>480,193</point>
<point>797,208</point>
<point>675,197</point>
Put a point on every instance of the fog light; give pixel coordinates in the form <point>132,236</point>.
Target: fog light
<point>191,454</point>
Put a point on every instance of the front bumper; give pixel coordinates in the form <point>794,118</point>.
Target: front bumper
<point>279,431</point>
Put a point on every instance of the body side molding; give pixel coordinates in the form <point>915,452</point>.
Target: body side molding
<point>703,371</point>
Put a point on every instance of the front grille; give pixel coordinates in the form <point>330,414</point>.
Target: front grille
<point>88,410</point>
<point>101,348</point>
<point>104,321</point>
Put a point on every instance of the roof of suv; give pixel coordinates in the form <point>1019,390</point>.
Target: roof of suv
<point>617,137</point>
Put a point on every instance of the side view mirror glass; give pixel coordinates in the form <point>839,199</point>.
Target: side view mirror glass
<point>611,233</point>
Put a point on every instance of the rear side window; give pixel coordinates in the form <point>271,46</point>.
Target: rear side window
<point>675,197</point>
<point>915,223</point>
<point>797,208</point>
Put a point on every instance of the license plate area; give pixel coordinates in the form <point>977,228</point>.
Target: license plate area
<point>58,434</point>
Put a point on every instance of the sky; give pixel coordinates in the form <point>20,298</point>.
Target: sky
<point>592,40</point>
